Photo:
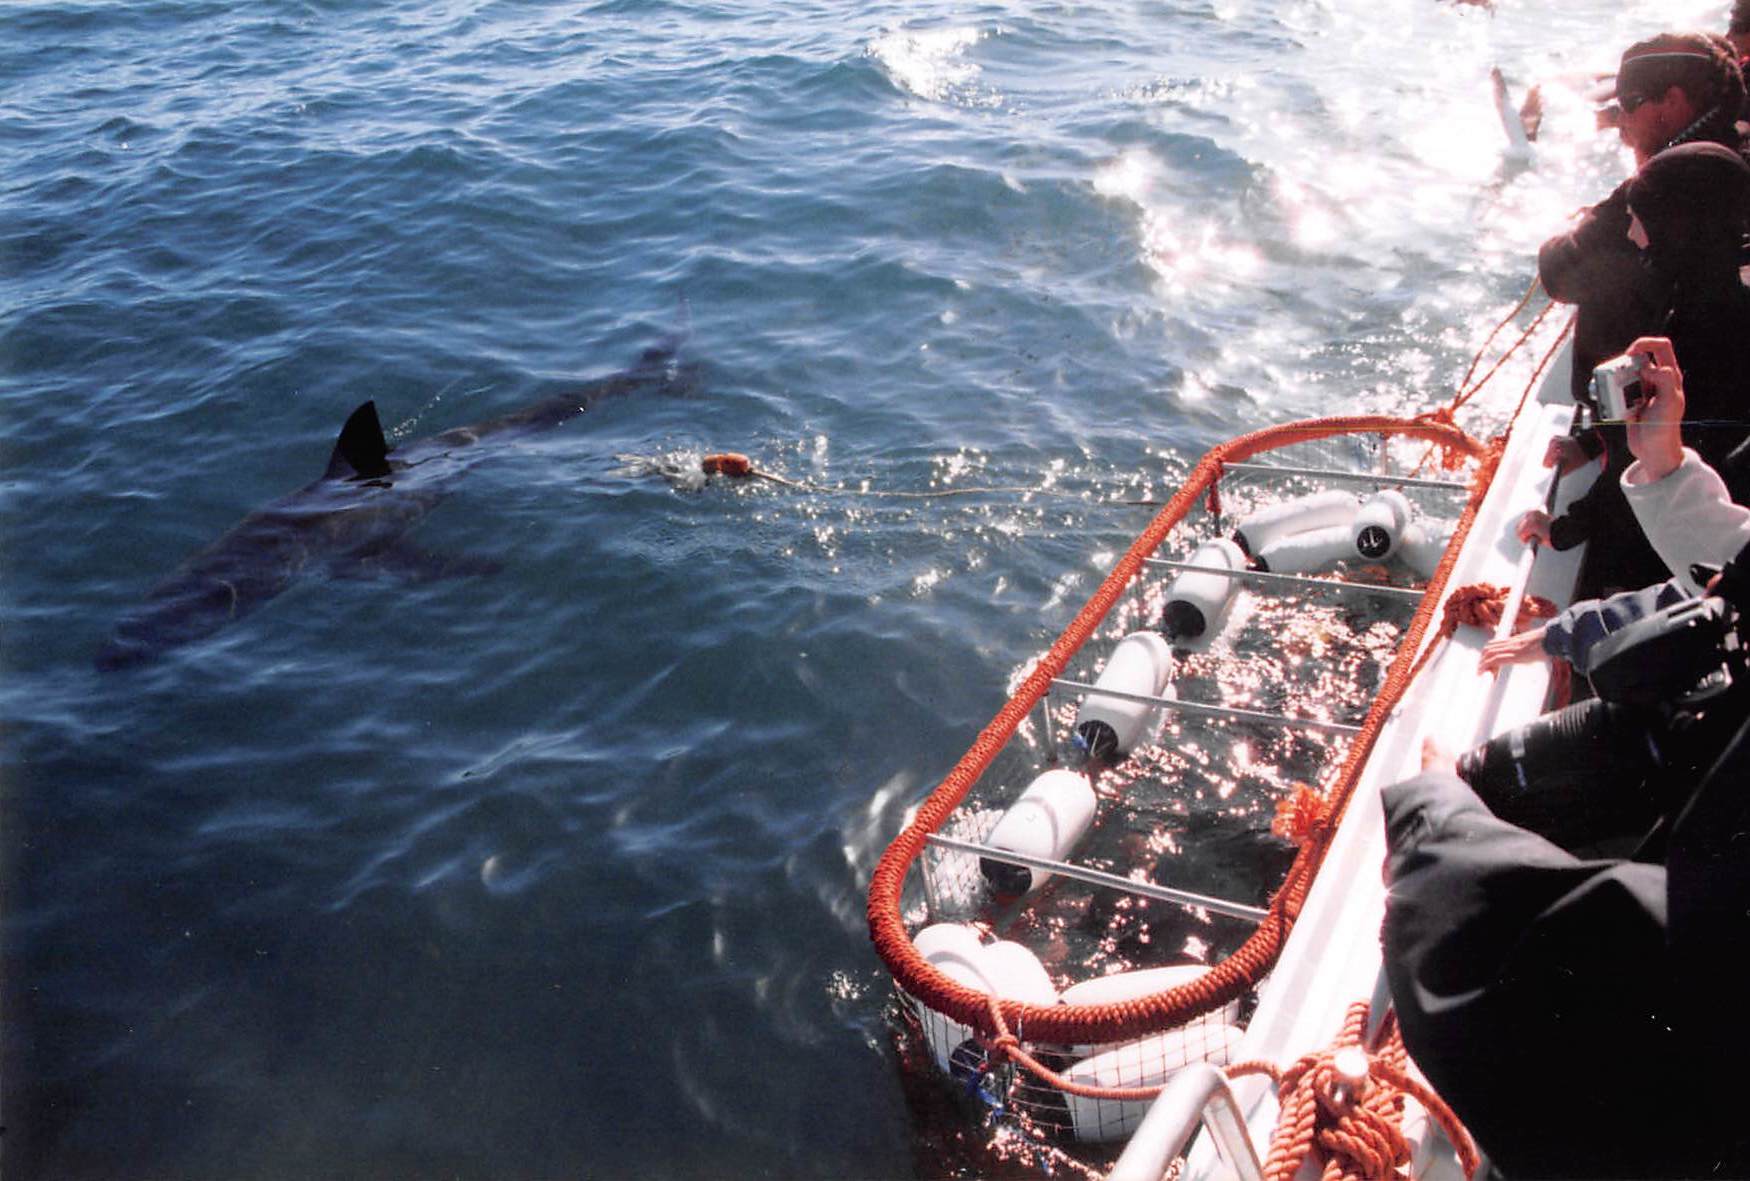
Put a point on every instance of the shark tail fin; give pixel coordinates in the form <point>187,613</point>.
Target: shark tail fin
<point>361,449</point>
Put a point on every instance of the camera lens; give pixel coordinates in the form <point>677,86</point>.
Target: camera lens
<point>1574,776</point>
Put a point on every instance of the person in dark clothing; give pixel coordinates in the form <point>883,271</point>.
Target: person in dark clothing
<point>1672,89</point>
<point>1682,219</point>
<point>1576,1014</point>
<point>1583,1017</point>
<point>1692,206</point>
<point>1738,37</point>
<point>1677,88</point>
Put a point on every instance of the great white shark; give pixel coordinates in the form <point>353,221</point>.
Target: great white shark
<point>354,518</point>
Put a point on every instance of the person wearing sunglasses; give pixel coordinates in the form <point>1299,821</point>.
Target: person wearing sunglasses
<point>1677,88</point>
<point>1671,89</point>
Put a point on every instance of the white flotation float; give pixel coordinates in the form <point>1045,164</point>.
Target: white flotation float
<point>1048,820</point>
<point>1118,987</point>
<point>1423,544</point>
<point>1197,601</point>
<point>1314,533</point>
<point>954,950</point>
<point>1018,975</point>
<point>1379,524</point>
<point>1111,727</point>
<point>1302,515</point>
<point>1308,552</point>
<point>1004,969</point>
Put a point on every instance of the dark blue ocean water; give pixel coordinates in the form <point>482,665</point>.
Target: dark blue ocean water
<point>558,871</point>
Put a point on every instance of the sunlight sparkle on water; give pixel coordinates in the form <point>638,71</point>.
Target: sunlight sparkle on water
<point>930,63</point>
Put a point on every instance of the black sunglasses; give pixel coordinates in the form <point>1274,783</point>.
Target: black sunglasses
<point>1630,103</point>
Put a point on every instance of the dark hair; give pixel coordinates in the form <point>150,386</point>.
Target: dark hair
<point>1694,201</point>
<point>1701,65</point>
<point>1740,18</point>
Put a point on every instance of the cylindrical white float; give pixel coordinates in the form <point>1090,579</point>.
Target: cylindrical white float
<point>940,942</point>
<point>1006,969</point>
<point>1301,515</point>
<point>1018,975</point>
<point>1309,552</point>
<point>1198,602</point>
<point>1379,524</point>
<point>1119,987</point>
<point>1046,821</point>
<point>942,1033</point>
<point>1108,727</point>
<point>1423,544</point>
<point>1148,1062</point>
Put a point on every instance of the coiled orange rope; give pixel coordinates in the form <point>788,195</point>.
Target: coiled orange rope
<point>1350,1103</point>
<point>1480,605</point>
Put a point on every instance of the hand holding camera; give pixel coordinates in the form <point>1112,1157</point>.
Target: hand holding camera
<point>1617,385</point>
<point>1655,415</point>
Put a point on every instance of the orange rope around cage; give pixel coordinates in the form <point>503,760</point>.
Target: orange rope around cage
<point>1237,973</point>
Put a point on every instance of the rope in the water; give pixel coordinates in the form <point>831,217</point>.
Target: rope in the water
<point>736,466</point>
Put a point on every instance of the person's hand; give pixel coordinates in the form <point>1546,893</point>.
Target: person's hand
<point>1533,527</point>
<point>1565,454</point>
<point>1435,757</point>
<point>1655,426</point>
<point>1524,648</point>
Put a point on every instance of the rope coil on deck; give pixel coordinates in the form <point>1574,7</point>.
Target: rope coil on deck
<point>1350,1104</point>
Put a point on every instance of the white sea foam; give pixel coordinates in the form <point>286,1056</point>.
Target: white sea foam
<point>932,64</point>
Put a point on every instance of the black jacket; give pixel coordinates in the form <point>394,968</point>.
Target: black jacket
<point>1583,1018</point>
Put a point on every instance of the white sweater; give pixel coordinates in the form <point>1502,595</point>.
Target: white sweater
<point>1688,516</point>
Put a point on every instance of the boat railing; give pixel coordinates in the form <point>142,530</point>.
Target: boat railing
<point>1266,578</point>
<point>1342,477</point>
<point>1198,1095</point>
<point>1095,877</point>
<point>1230,712</point>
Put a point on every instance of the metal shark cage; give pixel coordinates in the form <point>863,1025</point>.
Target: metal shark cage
<point>1085,1069</point>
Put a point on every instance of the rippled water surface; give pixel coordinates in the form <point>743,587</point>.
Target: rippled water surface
<point>554,866</point>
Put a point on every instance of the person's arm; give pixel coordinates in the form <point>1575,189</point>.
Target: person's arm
<point>1572,634</point>
<point>1560,533</point>
<point>1593,256</point>
<point>1681,503</point>
<point>1655,426</point>
<point>1688,517</point>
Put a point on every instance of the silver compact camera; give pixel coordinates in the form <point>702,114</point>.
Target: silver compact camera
<point>1617,387</point>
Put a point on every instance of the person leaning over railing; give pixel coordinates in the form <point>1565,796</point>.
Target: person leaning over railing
<point>1682,507</point>
<point>1682,220</point>
<point>1671,89</point>
<point>1583,1016</point>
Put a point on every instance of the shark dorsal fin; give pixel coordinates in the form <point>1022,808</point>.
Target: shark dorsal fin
<point>361,449</point>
